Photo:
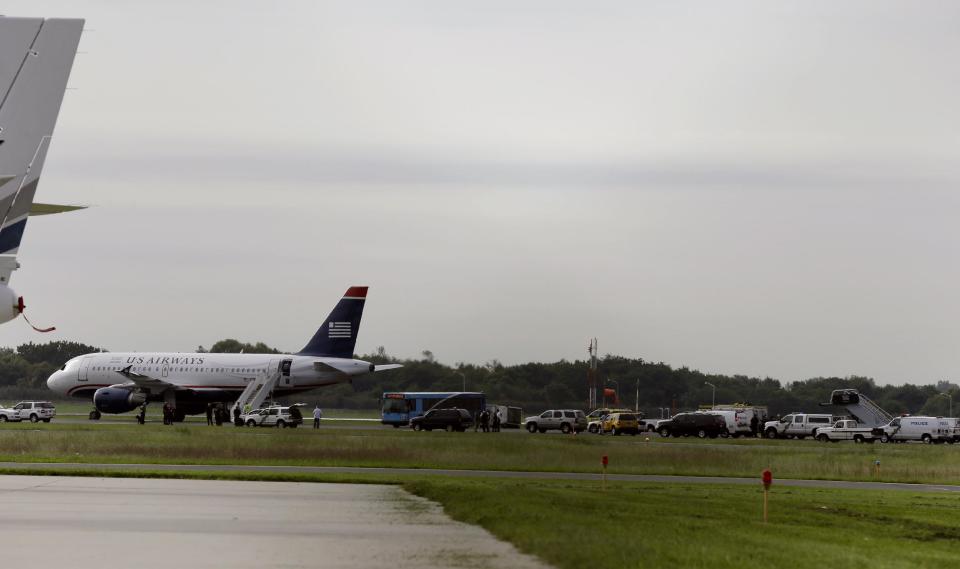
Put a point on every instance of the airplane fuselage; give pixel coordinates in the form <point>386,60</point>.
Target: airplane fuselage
<point>119,382</point>
<point>208,377</point>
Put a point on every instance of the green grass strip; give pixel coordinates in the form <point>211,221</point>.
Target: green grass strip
<point>157,444</point>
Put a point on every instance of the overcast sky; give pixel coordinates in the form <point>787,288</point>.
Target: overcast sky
<point>762,187</point>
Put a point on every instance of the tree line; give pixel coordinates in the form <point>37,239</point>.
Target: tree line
<point>534,386</point>
<point>655,387</point>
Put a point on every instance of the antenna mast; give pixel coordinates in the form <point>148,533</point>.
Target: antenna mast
<point>592,375</point>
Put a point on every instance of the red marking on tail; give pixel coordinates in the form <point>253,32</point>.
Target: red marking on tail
<point>357,292</point>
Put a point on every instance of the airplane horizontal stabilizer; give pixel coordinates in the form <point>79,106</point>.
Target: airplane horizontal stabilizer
<point>327,366</point>
<point>49,208</point>
<point>348,367</point>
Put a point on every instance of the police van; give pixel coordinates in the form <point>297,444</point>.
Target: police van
<point>925,429</point>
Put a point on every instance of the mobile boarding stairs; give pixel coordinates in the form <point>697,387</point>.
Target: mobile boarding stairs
<point>257,391</point>
<point>860,407</point>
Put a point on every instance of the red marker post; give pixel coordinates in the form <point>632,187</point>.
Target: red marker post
<point>767,478</point>
<point>604,460</point>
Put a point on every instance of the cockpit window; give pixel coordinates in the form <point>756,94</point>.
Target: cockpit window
<point>63,367</point>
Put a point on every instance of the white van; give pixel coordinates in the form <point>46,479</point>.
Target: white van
<point>735,424</point>
<point>738,418</point>
<point>926,429</point>
<point>730,418</point>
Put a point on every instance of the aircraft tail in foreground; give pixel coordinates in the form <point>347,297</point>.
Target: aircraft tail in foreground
<point>36,56</point>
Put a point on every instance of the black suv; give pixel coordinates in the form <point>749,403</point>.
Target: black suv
<point>449,419</point>
<point>700,424</point>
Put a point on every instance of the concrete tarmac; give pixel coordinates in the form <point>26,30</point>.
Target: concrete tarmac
<point>145,523</point>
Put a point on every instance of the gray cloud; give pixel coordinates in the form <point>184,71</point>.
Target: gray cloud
<point>331,166</point>
<point>479,165</point>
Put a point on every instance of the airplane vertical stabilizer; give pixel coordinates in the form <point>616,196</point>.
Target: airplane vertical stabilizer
<point>36,56</point>
<point>337,336</point>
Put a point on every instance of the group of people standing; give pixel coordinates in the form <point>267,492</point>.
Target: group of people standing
<point>488,422</point>
<point>217,414</point>
<point>169,414</point>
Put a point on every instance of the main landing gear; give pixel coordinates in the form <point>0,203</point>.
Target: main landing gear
<point>94,415</point>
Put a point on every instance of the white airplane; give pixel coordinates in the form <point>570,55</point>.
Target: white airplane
<point>122,382</point>
<point>36,56</point>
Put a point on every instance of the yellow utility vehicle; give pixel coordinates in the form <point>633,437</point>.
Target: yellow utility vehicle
<point>617,423</point>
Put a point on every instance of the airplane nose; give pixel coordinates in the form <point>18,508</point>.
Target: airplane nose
<point>52,380</point>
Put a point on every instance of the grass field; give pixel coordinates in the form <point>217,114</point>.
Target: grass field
<point>575,525</point>
<point>154,443</point>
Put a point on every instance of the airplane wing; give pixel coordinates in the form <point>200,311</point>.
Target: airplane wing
<point>146,382</point>
<point>385,367</point>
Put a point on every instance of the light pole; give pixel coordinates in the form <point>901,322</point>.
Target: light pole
<point>636,404</point>
<point>617,390</point>
<point>949,396</point>
<point>713,398</point>
<point>464,378</point>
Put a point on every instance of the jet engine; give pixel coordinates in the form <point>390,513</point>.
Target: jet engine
<point>117,399</point>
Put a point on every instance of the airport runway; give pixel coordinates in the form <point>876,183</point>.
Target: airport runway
<point>421,472</point>
<point>147,523</point>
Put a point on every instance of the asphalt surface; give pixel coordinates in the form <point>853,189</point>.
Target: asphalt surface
<point>148,523</point>
<point>421,472</point>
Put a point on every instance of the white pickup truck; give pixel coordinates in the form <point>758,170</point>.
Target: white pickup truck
<point>797,425</point>
<point>846,430</point>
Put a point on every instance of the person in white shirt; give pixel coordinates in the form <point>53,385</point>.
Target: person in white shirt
<point>317,415</point>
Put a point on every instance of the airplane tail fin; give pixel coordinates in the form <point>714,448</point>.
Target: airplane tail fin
<point>36,56</point>
<point>337,336</point>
